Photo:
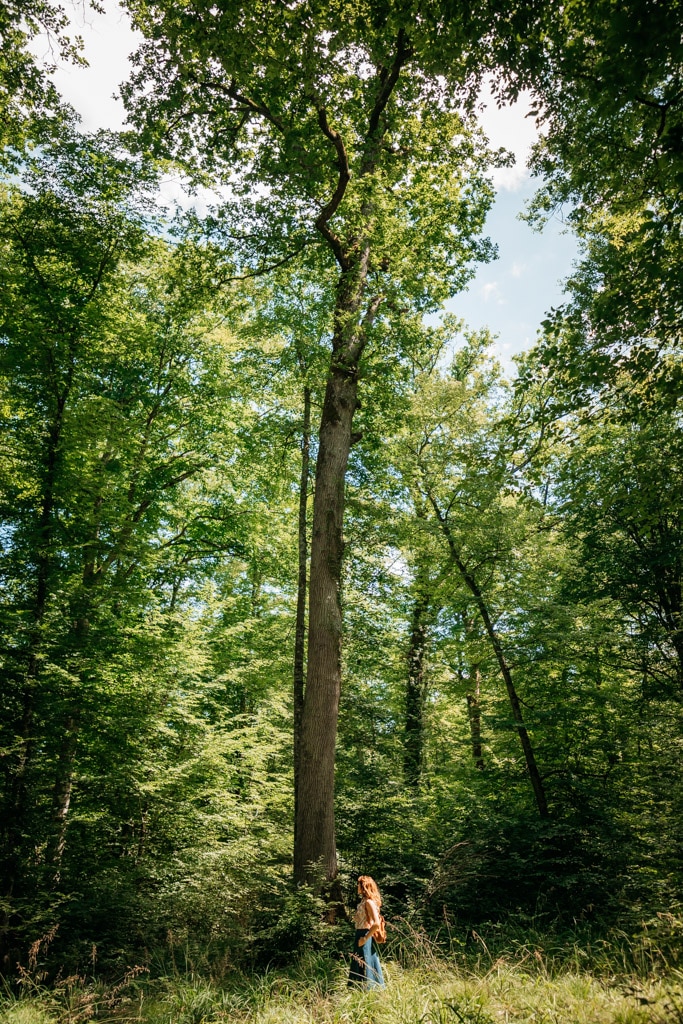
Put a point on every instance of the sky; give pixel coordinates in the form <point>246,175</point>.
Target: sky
<point>510,296</point>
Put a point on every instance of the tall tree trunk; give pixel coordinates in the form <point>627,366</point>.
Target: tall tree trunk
<point>471,583</point>
<point>474,716</point>
<point>315,853</point>
<point>43,560</point>
<point>18,795</point>
<point>415,689</point>
<point>302,579</point>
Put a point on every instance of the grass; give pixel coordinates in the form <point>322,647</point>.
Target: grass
<point>529,985</point>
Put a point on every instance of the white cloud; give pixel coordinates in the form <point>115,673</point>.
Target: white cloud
<point>510,179</point>
<point>510,128</point>
<point>490,292</point>
<point>517,269</point>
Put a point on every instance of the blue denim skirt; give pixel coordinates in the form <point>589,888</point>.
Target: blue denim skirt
<point>366,970</point>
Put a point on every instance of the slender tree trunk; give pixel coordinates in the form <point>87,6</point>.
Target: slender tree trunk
<point>19,792</point>
<point>529,757</point>
<point>43,559</point>
<point>415,690</point>
<point>61,797</point>
<point>471,583</point>
<point>63,784</point>
<point>142,832</point>
<point>671,614</point>
<point>474,716</point>
<point>64,776</point>
<point>302,579</point>
<point>19,796</point>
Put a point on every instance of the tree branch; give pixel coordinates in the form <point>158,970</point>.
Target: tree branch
<point>330,208</point>
<point>252,105</point>
<point>263,270</point>
<point>371,311</point>
<point>388,79</point>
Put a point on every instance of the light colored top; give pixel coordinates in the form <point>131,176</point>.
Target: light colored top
<point>366,914</point>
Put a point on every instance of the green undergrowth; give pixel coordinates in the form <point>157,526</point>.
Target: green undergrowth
<point>521,988</point>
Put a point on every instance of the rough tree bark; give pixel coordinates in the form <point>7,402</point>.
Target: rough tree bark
<point>315,851</point>
<point>315,855</point>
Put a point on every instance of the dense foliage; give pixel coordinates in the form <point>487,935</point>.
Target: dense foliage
<point>511,587</point>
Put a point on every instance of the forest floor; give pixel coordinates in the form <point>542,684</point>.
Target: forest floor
<point>525,991</point>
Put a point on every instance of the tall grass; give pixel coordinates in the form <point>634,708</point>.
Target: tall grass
<point>535,981</point>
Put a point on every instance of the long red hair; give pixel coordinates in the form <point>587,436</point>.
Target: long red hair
<point>369,890</point>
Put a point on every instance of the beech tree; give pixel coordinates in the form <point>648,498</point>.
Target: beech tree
<point>338,129</point>
<point>608,85</point>
<point>106,466</point>
<point>618,491</point>
<point>456,457</point>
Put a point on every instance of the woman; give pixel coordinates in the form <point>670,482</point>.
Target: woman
<point>366,969</point>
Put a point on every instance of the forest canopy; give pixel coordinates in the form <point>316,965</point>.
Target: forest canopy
<point>297,583</point>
